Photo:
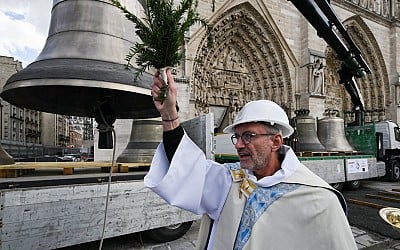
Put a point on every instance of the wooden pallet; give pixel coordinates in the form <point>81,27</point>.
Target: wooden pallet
<point>348,153</point>
<point>21,168</point>
<point>310,154</point>
<point>326,153</point>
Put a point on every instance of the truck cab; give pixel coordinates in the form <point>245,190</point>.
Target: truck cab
<point>391,134</point>
<point>381,139</point>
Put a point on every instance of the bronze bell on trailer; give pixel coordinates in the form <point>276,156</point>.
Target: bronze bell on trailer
<point>306,132</point>
<point>146,134</point>
<point>331,133</point>
<point>81,70</point>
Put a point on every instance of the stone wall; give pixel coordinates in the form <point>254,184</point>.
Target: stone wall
<point>266,49</point>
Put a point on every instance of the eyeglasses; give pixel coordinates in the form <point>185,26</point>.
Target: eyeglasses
<point>245,137</point>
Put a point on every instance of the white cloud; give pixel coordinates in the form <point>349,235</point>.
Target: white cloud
<point>23,28</point>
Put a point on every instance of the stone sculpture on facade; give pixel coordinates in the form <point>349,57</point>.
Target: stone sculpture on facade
<point>318,77</point>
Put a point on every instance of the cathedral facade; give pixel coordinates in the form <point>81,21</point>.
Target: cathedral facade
<point>268,50</point>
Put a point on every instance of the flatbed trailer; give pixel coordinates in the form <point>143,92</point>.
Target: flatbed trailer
<point>43,213</point>
<point>335,169</point>
<point>60,204</point>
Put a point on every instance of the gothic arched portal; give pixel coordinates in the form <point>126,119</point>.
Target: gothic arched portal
<point>374,87</point>
<point>245,62</point>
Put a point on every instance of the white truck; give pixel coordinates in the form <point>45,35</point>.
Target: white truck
<point>381,139</point>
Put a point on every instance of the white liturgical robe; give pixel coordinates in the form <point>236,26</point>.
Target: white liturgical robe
<point>292,209</point>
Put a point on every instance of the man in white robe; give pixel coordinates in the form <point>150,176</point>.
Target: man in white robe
<point>267,201</point>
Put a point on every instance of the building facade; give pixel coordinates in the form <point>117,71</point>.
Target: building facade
<point>268,50</point>
<point>55,130</point>
<point>82,133</point>
<point>23,130</point>
<point>17,124</point>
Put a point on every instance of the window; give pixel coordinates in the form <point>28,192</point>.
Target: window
<point>397,133</point>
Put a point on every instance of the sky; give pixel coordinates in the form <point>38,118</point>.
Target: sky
<point>24,25</point>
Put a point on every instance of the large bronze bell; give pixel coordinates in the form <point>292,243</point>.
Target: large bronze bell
<point>146,134</point>
<point>331,133</point>
<point>306,132</point>
<point>82,66</point>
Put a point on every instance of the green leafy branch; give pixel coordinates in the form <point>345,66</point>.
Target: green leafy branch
<point>162,32</point>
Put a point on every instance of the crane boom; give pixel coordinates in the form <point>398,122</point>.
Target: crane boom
<point>322,17</point>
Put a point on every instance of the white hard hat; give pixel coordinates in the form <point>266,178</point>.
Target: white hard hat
<point>262,111</point>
